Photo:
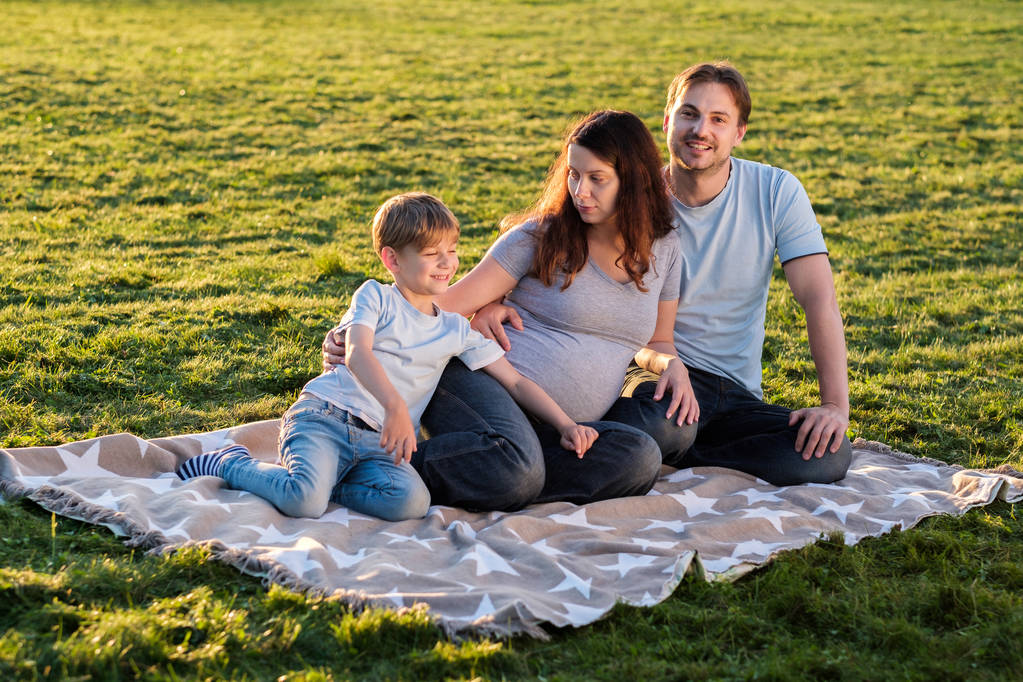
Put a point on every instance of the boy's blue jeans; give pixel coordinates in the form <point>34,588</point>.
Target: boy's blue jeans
<point>484,452</point>
<point>329,456</point>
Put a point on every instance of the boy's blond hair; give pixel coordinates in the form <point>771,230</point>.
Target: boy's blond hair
<point>412,218</point>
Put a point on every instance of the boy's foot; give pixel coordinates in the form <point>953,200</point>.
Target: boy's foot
<point>208,463</point>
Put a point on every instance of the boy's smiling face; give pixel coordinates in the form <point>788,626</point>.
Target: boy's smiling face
<point>423,273</point>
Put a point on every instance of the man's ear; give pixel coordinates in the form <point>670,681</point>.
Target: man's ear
<point>741,134</point>
<point>389,257</point>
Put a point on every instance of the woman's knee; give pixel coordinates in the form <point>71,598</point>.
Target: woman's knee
<point>640,411</point>
<point>521,478</point>
<point>638,456</point>
<point>648,458</point>
<point>483,452</point>
<point>673,440</point>
<point>510,476</point>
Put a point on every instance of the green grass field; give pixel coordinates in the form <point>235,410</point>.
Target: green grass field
<point>183,213</point>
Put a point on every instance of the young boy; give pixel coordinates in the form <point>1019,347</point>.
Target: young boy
<point>350,435</point>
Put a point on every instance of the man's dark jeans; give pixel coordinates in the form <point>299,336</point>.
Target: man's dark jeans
<point>737,430</point>
<point>483,452</point>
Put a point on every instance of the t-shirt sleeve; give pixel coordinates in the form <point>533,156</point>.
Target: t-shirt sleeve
<point>797,232</point>
<point>671,284</point>
<point>367,306</point>
<point>514,250</point>
<point>477,350</point>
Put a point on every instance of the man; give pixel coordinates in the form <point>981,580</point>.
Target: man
<point>733,215</point>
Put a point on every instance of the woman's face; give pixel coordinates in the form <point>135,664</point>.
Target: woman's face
<point>593,184</point>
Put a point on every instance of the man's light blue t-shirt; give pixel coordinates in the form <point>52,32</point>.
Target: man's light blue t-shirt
<point>728,250</point>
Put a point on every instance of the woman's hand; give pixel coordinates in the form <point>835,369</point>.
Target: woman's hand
<point>333,349</point>
<point>578,438</point>
<point>489,321</point>
<point>675,378</point>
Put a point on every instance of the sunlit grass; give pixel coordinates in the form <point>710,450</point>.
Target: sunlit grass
<point>186,193</point>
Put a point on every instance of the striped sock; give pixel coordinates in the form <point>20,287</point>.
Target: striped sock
<point>208,463</point>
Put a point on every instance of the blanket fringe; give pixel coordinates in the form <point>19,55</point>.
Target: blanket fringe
<point>67,504</point>
<point>271,573</point>
<point>885,449</point>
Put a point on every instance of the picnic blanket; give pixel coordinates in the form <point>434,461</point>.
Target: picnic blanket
<point>494,573</point>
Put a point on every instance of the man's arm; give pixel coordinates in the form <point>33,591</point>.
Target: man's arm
<point>812,284</point>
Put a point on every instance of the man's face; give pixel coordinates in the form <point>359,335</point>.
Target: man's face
<point>703,127</point>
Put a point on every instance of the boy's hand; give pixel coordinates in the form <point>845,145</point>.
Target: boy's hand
<point>398,436</point>
<point>578,438</point>
<point>333,349</point>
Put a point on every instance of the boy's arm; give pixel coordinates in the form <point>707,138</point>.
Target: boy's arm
<point>574,436</point>
<point>397,434</point>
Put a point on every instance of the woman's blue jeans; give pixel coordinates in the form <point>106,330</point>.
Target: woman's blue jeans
<point>327,455</point>
<point>484,452</point>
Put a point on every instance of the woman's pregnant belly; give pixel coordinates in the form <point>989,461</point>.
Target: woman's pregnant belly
<point>581,372</point>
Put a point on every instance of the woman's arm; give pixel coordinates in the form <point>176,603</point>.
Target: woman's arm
<point>490,320</point>
<point>485,283</point>
<point>660,357</point>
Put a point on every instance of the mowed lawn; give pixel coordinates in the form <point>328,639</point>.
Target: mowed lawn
<point>185,192</point>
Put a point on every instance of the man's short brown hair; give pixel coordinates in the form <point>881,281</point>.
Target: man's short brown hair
<point>412,218</point>
<point>718,72</point>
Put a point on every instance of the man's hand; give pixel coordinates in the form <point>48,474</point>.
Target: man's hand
<point>489,321</point>
<point>820,426</point>
<point>676,378</point>
<point>398,436</point>
<point>578,438</point>
<point>333,349</point>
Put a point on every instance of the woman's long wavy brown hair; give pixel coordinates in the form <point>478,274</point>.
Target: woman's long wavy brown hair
<point>643,213</point>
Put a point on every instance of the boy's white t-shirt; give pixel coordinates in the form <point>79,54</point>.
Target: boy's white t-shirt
<point>412,347</point>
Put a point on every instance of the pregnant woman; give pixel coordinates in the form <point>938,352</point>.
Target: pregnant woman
<point>593,270</point>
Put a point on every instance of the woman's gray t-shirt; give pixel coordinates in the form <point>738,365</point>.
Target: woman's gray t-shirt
<point>577,343</point>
